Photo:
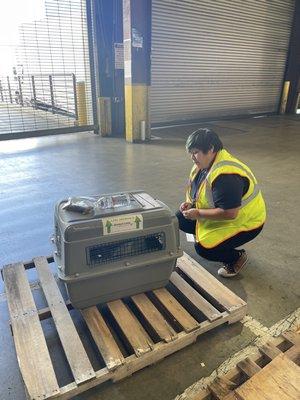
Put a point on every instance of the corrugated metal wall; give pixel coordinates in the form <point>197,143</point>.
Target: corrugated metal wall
<point>218,58</point>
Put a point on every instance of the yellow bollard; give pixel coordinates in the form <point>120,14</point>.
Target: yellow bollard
<point>284,97</point>
<point>104,115</point>
<point>81,103</point>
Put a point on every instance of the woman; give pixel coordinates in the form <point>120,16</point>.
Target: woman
<point>224,207</point>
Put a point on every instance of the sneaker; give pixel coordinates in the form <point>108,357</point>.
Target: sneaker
<point>230,270</point>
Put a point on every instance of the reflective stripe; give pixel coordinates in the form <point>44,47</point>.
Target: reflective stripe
<point>234,164</point>
<point>209,196</point>
<point>255,192</point>
<point>252,207</point>
<point>208,191</point>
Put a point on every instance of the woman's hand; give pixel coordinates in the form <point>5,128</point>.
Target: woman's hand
<point>185,206</point>
<point>192,213</point>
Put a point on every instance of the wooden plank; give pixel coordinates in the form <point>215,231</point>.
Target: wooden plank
<point>209,284</point>
<point>187,322</point>
<point>294,354</point>
<point>230,396</point>
<point>154,317</point>
<point>249,367</point>
<point>31,347</point>
<point>162,349</point>
<point>103,338</point>
<point>45,313</point>
<point>221,387</point>
<point>279,380</point>
<point>269,350</point>
<point>232,375</point>
<point>70,390</point>
<point>292,337</point>
<point>30,264</point>
<point>194,297</point>
<point>76,355</point>
<point>130,326</point>
<point>133,363</point>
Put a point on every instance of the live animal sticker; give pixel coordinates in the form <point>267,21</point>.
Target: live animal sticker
<point>122,223</point>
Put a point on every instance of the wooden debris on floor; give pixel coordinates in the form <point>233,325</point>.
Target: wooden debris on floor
<point>272,373</point>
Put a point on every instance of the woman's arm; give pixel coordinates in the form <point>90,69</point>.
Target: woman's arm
<point>211,213</point>
<point>227,194</point>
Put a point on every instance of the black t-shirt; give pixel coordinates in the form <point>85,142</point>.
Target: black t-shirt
<point>227,189</point>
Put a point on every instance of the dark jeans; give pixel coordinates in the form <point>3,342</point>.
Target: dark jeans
<point>226,251</point>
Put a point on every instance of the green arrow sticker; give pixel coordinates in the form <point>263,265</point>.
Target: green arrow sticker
<point>122,223</point>
<point>108,226</point>
<point>137,222</point>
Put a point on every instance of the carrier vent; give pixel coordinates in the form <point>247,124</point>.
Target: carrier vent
<point>110,252</point>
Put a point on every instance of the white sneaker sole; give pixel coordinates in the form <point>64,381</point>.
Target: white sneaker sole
<point>222,271</point>
<point>225,274</point>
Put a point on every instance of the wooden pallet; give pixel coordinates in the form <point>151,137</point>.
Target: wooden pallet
<point>272,372</point>
<point>129,334</point>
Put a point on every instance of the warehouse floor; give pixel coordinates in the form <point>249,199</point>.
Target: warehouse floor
<point>36,173</point>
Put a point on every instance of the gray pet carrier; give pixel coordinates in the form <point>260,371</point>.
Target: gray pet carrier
<point>113,246</point>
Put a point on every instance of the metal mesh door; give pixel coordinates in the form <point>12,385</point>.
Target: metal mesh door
<point>45,83</point>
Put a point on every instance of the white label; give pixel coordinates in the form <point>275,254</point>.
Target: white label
<point>190,237</point>
<point>137,38</point>
<point>122,223</point>
<point>119,56</point>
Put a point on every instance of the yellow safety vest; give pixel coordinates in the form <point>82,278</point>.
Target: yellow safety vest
<point>252,212</point>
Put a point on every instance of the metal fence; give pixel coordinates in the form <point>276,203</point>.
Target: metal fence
<point>55,93</point>
<point>51,89</point>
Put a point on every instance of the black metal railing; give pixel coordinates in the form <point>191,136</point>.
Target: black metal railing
<point>54,93</point>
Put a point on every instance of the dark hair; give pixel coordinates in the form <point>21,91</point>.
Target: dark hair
<point>204,139</point>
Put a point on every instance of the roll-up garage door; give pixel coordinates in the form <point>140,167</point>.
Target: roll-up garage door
<point>218,58</point>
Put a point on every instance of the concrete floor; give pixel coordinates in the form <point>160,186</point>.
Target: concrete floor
<point>15,118</point>
<point>36,173</point>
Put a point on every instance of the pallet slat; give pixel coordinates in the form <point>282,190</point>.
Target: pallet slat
<point>277,380</point>
<point>230,396</point>
<point>292,337</point>
<point>195,298</point>
<point>187,322</point>
<point>103,338</point>
<point>76,355</point>
<point>294,354</point>
<point>221,387</point>
<point>154,317</point>
<point>269,350</point>
<point>34,360</point>
<point>249,367</point>
<point>133,321</point>
<point>209,284</point>
<point>130,326</point>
